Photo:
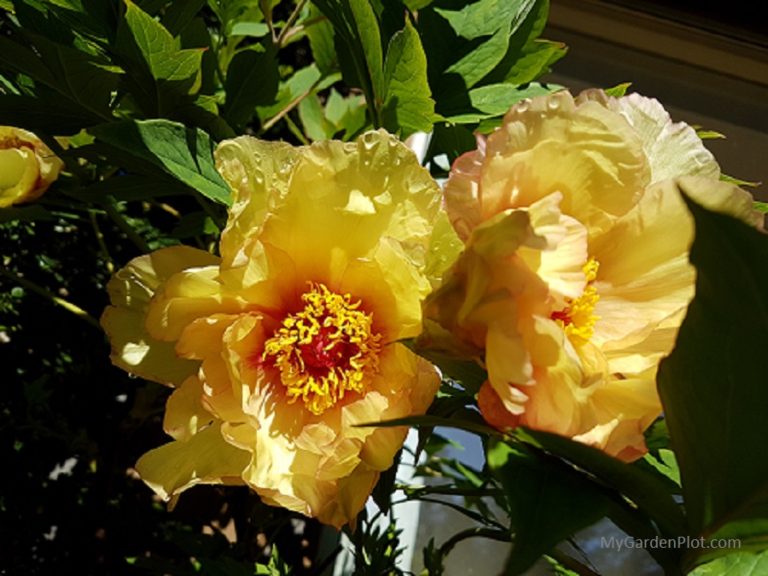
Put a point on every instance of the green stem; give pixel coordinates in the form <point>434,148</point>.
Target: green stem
<point>291,105</point>
<point>66,304</point>
<point>284,32</point>
<point>102,245</point>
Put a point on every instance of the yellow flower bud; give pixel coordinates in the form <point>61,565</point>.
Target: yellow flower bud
<point>27,166</point>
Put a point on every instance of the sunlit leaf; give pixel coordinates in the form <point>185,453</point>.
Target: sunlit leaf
<point>408,106</point>
<point>184,153</point>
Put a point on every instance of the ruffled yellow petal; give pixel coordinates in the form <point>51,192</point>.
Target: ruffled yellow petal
<point>206,458</point>
<point>259,173</point>
<point>550,144</point>
<point>673,149</point>
<point>187,295</point>
<point>360,193</point>
<point>130,290</point>
<point>185,415</point>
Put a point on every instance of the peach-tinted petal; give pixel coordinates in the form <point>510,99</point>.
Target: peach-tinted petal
<point>673,149</point>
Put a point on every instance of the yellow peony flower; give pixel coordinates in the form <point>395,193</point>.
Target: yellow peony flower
<point>575,276</point>
<point>27,166</point>
<point>281,347</point>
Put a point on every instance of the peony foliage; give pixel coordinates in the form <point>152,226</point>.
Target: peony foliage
<point>247,244</point>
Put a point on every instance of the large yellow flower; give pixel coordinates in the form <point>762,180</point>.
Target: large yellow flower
<point>575,273</point>
<point>27,166</point>
<point>282,346</point>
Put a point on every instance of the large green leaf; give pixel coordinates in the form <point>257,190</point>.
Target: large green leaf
<point>484,17</point>
<point>184,153</point>
<point>408,106</point>
<point>359,47</point>
<point>160,74</point>
<point>650,493</point>
<point>252,80</point>
<point>547,501</point>
<point>713,385</point>
<point>74,79</point>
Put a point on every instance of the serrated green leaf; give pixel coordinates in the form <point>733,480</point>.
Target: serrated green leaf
<point>184,153</point>
<point>712,386</point>
<point>761,207</point>
<point>408,105</point>
<point>252,80</point>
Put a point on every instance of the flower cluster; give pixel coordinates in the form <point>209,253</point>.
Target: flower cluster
<point>27,166</point>
<point>282,346</point>
<point>566,276</point>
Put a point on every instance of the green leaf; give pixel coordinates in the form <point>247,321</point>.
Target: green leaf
<point>619,90</point>
<point>738,181</point>
<point>130,187</point>
<point>26,213</point>
<point>648,492</point>
<point>179,15</point>
<point>476,64</point>
<point>712,386</point>
<point>368,36</point>
<point>666,464</point>
<point>547,501</point>
<point>77,78</point>
<point>408,106</point>
<point>321,41</point>
<point>312,116</point>
<point>252,80</point>
<point>482,18</point>
<point>497,99</point>
<point>253,29</point>
<point>44,114</point>
<point>358,46</point>
<point>417,4</point>
<point>159,73</point>
<point>761,206</point>
<point>735,564</point>
<point>184,153</point>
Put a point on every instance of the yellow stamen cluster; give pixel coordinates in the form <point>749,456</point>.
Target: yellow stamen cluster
<point>324,350</point>
<point>578,318</point>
